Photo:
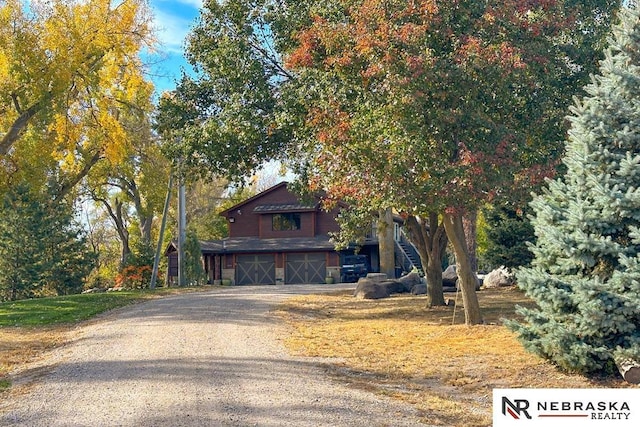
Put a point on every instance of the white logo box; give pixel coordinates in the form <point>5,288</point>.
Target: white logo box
<point>566,407</point>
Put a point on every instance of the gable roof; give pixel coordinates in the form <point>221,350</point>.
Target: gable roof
<point>251,199</point>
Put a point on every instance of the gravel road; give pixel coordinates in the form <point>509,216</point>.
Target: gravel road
<point>205,359</point>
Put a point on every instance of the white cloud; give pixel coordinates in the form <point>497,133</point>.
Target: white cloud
<point>192,3</point>
<point>171,30</point>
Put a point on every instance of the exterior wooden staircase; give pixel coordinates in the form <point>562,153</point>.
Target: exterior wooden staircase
<point>407,257</point>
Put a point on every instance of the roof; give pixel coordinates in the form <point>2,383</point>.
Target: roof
<point>257,196</point>
<point>288,207</point>
<point>254,244</point>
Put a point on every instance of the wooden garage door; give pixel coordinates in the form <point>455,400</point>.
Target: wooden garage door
<point>306,268</point>
<point>256,270</point>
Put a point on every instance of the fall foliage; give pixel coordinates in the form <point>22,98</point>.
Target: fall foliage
<point>69,71</point>
<point>433,106</point>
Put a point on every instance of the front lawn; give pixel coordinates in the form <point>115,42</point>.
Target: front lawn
<point>40,312</point>
<point>427,357</point>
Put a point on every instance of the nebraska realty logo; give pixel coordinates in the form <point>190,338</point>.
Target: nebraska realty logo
<point>566,407</point>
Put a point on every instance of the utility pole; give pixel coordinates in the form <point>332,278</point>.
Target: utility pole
<point>165,212</point>
<point>182,230</point>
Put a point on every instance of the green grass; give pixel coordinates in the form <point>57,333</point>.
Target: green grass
<point>66,309</point>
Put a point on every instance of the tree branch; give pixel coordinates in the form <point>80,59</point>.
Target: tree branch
<point>20,123</point>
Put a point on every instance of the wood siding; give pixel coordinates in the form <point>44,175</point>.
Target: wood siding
<point>244,222</point>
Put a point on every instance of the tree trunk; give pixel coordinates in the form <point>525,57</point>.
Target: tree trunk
<point>467,279</point>
<point>386,243</point>
<point>470,222</point>
<point>629,369</point>
<point>430,241</point>
<point>145,217</point>
<point>67,184</point>
<point>119,222</point>
<point>122,232</point>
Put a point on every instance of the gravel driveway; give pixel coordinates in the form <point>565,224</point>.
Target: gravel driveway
<point>204,359</point>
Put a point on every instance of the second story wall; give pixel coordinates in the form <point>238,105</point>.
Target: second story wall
<point>277,213</point>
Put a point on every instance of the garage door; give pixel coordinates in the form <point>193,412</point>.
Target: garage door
<point>256,270</point>
<point>306,268</point>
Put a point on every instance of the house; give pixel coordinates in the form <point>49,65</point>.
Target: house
<point>275,238</point>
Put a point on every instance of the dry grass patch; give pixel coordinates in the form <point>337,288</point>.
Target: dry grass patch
<point>428,357</point>
<point>19,346</point>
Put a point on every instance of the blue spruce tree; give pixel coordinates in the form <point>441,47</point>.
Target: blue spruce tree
<point>585,276</point>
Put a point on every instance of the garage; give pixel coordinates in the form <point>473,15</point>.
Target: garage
<point>256,269</point>
<point>306,268</point>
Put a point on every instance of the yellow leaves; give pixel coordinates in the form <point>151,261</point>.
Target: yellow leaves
<point>116,139</point>
<point>4,67</point>
<point>76,63</point>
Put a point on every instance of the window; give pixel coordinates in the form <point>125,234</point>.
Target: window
<point>286,222</point>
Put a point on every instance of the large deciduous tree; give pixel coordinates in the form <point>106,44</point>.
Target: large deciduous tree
<point>68,71</point>
<point>132,192</point>
<point>222,121</point>
<point>585,275</point>
<point>426,106</point>
<point>434,107</point>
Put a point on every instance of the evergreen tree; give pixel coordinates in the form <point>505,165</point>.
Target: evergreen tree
<point>585,276</point>
<point>42,250</point>
<point>21,263</point>
<point>508,235</point>
<point>193,270</point>
<point>66,255</point>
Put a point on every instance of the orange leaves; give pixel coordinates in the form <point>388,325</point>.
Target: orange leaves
<point>303,56</point>
<point>133,277</point>
<point>402,72</point>
<point>370,37</point>
<point>475,51</point>
<point>333,124</point>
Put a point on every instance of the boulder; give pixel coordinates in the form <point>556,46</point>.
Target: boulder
<point>419,289</point>
<point>377,277</point>
<point>374,288</point>
<point>393,286</point>
<point>367,289</point>
<point>409,281</point>
<point>498,277</point>
<point>449,277</point>
<point>629,369</point>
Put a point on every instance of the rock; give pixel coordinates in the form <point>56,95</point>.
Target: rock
<point>409,281</point>
<point>498,277</point>
<point>629,369</point>
<point>449,277</point>
<point>94,291</point>
<point>368,289</point>
<point>419,289</point>
<point>377,277</point>
<point>393,287</point>
<point>450,280</point>
<point>375,286</point>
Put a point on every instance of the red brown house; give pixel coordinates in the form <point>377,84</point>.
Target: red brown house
<point>274,238</point>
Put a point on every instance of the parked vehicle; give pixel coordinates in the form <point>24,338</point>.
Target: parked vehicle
<point>354,267</point>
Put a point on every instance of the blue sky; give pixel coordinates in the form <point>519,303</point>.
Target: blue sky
<point>173,20</point>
